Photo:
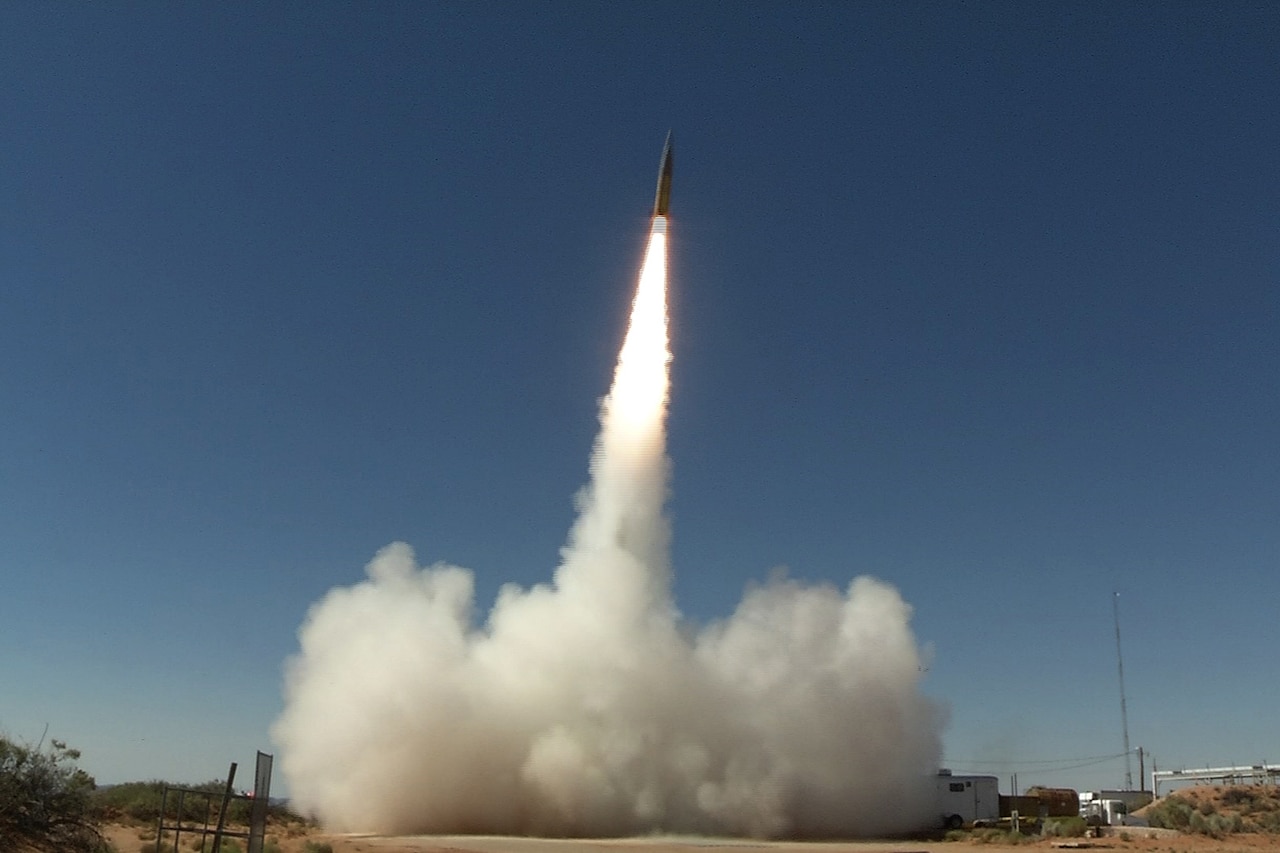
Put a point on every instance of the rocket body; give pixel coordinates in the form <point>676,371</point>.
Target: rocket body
<point>662,199</point>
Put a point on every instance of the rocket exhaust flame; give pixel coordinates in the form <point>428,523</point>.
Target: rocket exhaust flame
<point>584,707</point>
<point>636,405</point>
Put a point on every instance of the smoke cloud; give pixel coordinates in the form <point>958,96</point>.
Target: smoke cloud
<point>586,707</point>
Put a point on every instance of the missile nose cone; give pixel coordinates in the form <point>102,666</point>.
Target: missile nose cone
<point>662,199</point>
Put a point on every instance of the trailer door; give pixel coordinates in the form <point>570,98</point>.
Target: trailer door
<point>986,799</point>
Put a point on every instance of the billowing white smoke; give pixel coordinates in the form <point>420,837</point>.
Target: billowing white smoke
<point>585,707</point>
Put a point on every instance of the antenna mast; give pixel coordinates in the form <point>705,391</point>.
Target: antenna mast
<point>1124,711</point>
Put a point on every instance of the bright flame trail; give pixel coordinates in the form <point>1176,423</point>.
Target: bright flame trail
<point>586,707</point>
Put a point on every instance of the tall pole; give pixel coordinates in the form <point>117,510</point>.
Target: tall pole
<point>1124,711</point>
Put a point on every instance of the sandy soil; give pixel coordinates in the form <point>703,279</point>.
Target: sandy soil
<point>130,839</point>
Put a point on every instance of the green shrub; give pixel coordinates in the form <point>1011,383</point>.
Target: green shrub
<point>1170,813</point>
<point>1215,825</point>
<point>140,801</point>
<point>1237,796</point>
<point>992,835</point>
<point>317,847</point>
<point>44,799</point>
<point>1065,827</point>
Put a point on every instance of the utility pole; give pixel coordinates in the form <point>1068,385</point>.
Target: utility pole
<point>1124,711</point>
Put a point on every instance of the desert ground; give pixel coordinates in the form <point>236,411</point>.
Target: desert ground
<point>130,839</point>
<point>1255,802</point>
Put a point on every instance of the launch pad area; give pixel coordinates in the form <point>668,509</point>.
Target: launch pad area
<point>649,844</point>
<point>1190,843</point>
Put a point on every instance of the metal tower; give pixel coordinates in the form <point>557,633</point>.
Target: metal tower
<point>1124,711</point>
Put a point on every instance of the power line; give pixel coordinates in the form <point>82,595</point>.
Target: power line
<point>1082,761</point>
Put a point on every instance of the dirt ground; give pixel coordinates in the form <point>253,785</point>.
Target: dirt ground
<point>1259,804</point>
<point>130,839</point>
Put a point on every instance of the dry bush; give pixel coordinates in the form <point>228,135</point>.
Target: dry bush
<point>44,799</point>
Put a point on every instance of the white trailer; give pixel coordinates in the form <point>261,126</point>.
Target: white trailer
<point>966,799</point>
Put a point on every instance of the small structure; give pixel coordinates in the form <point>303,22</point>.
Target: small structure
<point>1056,802</point>
<point>1133,800</point>
<point>1256,774</point>
<point>967,799</point>
<point>1100,812</point>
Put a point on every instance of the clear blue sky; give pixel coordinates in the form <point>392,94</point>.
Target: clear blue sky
<point>977,298</point>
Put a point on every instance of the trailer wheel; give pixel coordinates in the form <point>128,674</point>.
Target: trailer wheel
<point>954,821</point>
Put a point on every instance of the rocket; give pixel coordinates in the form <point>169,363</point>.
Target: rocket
<point>662,200</point>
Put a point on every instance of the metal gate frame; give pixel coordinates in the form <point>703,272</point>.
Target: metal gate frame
<point>259,803</point>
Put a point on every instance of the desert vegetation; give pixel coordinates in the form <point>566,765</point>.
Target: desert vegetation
<point>49,805</point>
<point>139,802</point>
<point>197,809</point>
<point>45,800</point>
<point>1030,831</point>
<point>1217,812</point>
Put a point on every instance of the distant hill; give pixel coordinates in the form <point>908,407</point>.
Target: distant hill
<point>1218,810</point>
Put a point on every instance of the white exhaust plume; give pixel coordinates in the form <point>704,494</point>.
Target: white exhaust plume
<point>586,707</point>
